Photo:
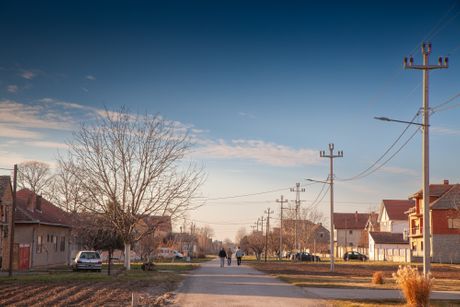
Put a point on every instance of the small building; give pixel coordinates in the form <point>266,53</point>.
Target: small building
<point>6,202</point>
<point>387,246</point>
<point>349,232</point>
<point>445,223</point>
<point>393,215</point>
<point>42,234</point>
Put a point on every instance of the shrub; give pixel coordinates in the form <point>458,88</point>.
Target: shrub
<point>415,287</point>
<point>377,278</point>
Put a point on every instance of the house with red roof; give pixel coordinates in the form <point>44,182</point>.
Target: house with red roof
<point>391,242</point>
<point>350,232</point>
<point>445,223</point>
<point>42,233</point>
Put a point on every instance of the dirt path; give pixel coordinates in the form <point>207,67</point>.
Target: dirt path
<point>212,285</point>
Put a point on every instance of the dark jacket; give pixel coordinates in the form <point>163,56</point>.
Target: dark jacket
<point>222,254</point>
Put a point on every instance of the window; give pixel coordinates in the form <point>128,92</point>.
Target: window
<point>350,232</point>
<point>55,243</point>
<point>39,244</point>
<point>321,234</point>
<point>62,244</point>
<point>453,223</point>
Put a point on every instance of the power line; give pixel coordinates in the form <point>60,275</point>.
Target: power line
<point>241,195</point>
<point>369,170</point>
<point>443,106</point>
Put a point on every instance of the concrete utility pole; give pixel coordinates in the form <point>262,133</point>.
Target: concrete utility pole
<point>426,67</point>
<point>262,219</point>
<point>267,212</point>
<point>331,157</point>
<point>297,191</point>
<point>13,209</point>
<point>281,201</point>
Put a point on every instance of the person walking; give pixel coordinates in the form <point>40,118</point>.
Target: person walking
<point>239,254</point>
<point>229,256</point>
<point>222,255</point>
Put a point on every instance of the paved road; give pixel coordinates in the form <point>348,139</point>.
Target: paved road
<point>211,285</point>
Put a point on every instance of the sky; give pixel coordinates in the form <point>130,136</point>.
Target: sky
<point>262,86</point>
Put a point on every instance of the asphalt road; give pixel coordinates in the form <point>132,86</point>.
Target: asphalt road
<point>211,285</point>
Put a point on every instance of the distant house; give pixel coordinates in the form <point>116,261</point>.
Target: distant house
<point>387,246</point>
<point>445,223</point>
<point>349,229</point>
<point>41,234</point>
<point>310,236</point>
<point>393,215</point>
<point>6,201</point>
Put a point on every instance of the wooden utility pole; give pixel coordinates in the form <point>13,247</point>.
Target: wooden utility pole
<point>281,201</point>
<point>13,209</point>
<point>268,212</point>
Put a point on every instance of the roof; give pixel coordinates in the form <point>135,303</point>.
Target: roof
<point>5,183</point>
<point>396,208</point>
<point>26,212</point>
<point>449,200</point>
<point>388,238</point>
<point>160,223</point>
<point>350,220</point>
<point>436,190</point>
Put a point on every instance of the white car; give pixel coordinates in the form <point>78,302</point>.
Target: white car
<point>168,253</point>
<point>87,260</point>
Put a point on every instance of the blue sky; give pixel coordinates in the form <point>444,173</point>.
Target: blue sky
<point>263,85</point>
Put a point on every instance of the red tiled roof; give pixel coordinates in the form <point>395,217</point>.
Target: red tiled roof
<point>161,223</point>
<point>436,190</point>
<point>388,238</point>
<point>49,214</point>
<point>396,208</point>
<point>350,220</point>
<point>449,200</point>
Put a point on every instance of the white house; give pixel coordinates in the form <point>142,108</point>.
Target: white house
<point>387,246</point>
<point>392,215</point>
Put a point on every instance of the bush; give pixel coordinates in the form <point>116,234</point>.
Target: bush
<point>415,287</point>
<point>377,278</point>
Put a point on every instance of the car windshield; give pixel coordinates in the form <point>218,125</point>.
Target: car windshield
<point>89,255</point>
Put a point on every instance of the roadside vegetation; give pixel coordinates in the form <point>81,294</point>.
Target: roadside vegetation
<point>64,288</point>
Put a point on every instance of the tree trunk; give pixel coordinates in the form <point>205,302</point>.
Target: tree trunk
<point>110,261</point>
<point>127,263</point>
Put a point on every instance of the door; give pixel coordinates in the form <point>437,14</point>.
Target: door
<point>24,256</point>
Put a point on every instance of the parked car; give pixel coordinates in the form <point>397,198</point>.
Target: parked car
<point>168,253</point>
<point>87,260</point>
<point>306,256</point>
<point>354,256</point>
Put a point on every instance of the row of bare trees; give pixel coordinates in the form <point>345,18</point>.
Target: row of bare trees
<point>122,167</point>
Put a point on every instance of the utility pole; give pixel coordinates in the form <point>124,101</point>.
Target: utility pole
<point>331,157</point>
<point>13,209</point>
<point>297,191</point>
<point>267,212</point>
<point>281,201</point>
<point>262,219</point>
<point>253,226</point>
<point>426,67</point>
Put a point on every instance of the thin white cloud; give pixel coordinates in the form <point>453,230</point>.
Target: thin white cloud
<point>28,74</point>
<point>399,170</point>
<point>259,151</point>
<point>247,115</point>
<point>444,131</point>
<point>47,144</point>
<point>12,132</point>
<point>12,88</point>
<point>90,77</point>
<point>84,89</point>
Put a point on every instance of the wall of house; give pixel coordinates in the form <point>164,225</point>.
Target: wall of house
<point>388,252</point>
<point>399,226</point>
<point>348,237</point>
<point>52,252</point>
<point>439,221</point>
<point>445,248</point>
<point>5,220</point>
<point>385,224</point>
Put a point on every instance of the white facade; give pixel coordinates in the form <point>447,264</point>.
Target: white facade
<point>393,226</point>
<point>388,252</point>
<point>347,237</point>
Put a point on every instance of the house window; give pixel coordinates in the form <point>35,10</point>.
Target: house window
<point>321,234</point>
<point>62,244</point>
<point>350,232</point>
<point>453,223</point>
<point>351,244</point>
<point>39,244</point>
<point>55,243</point>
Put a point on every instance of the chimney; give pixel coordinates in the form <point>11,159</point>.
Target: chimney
<point>446,181</point>
<point>30,203</point>
<point>38,203</point>
<point>356,216</point>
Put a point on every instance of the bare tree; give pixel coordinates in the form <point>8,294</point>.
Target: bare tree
<point>34,175</point>
<point>240,234</point>
<point>132,166</point>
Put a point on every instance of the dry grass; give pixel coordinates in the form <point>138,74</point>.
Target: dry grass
<point>377,278</point>
<point>415,287</point>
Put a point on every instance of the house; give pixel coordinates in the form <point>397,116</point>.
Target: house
<point>310,236</point>
<point>388,246</point>
<point>445,223</point>
<point>153,231</point>
<point>393,215</point>
<point>349,229</point>
<point>41,234</point>
<point>6,202</point>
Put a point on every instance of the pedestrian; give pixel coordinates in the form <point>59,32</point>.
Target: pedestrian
<point>222,255</point>
<point>239,254</point>
<point>229,256</point>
